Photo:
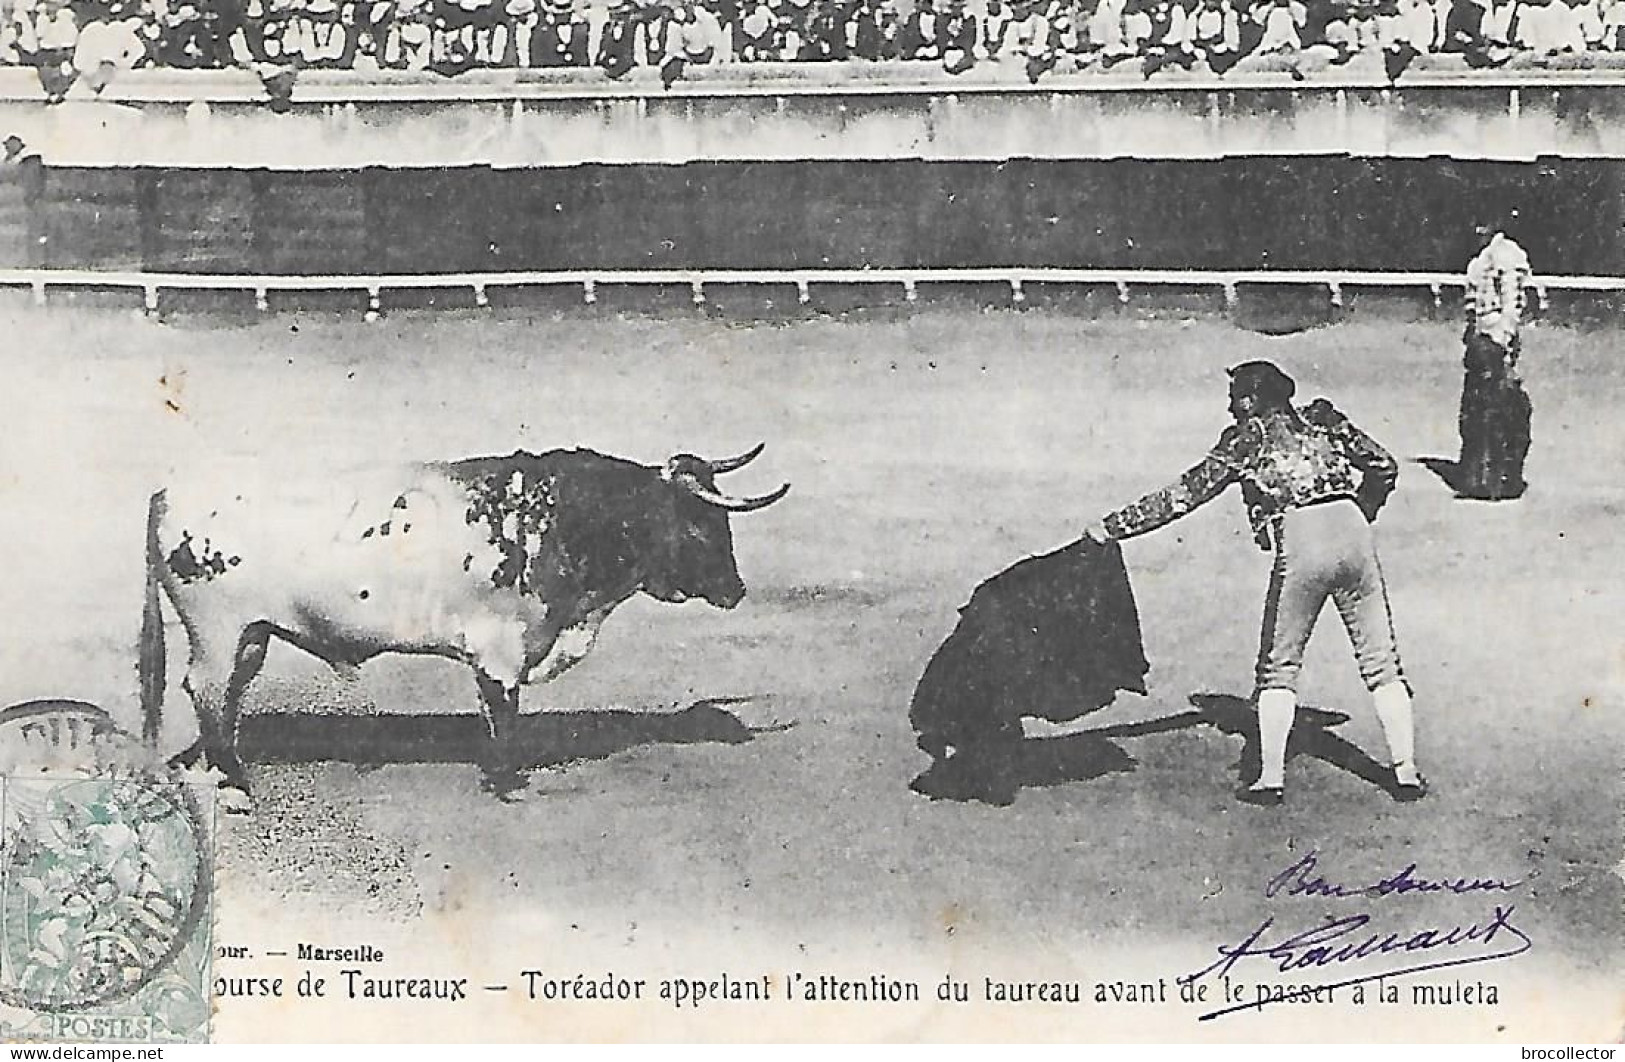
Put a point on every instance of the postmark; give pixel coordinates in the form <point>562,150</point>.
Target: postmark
<point>105,884</point>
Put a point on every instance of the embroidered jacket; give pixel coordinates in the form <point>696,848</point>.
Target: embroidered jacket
<point>1282,462</point>
<point>1495,295</point>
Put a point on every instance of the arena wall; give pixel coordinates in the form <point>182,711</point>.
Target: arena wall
<point>1326,212</point>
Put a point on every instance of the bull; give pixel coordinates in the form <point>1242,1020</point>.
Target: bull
<point>508,565</point>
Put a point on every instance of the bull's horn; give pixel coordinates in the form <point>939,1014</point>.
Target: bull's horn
<point>733,464</point>
<point>727,501</point>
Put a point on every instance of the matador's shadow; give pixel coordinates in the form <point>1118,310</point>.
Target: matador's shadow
<point>541,739</point>
<point>1312,735</point>
<point>1037,763</point>
<point>1448,469</point>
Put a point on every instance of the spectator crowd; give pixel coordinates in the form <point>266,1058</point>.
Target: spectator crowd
<point>90,41</point>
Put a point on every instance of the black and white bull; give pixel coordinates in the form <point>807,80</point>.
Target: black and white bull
<point>505,564</point>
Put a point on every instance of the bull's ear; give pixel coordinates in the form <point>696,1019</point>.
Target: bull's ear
<point>680,465</point>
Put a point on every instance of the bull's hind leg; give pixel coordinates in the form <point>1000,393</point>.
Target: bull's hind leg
<point>216,681</point>
<point>247,663</point>
<point>500,763</point>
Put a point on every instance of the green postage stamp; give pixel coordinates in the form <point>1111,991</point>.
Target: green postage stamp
<point>105,888</point>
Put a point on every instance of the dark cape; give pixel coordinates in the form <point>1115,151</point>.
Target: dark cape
<point>1053,637</point>
<point>1494,422</point>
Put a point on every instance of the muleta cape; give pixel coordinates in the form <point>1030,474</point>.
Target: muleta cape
<point>1053,637</point>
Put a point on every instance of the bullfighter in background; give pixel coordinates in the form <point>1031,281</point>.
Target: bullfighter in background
<point>1495,409</point>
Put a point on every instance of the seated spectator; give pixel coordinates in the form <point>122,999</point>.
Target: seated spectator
<point>617,50</point>
<point>1280,20</point>
<point>1354,29</point>
<point>1136,27</point>
<point>186,38</point>
<point>1613,25</point>
<point>451,50</point>
<point>1064,32</point>
<point>957,38</point>
<point>1032,40</point>
<point>1465,35</point>
<point>1440,14</point>
<point>105,49</point>
<point>756,34</point>
<point>1496,26</point>
<point>996,28</point>
<point>1108,32</point>
<point>594,15</point>
<point>409,41</point>
<point>917,39</point>
<point>875,29</point>
<point>827,39</point>
<point>557,37</point>
<point>47,37</point>
<point>365,60</point>
<point>691,41</point>
<point>1416,24</point>
<point>324,40</point>
<point>1549,28</point>
<point>1215,31</point>
<point>1588,13</point>
<point>520,20</point>
<point>1168,42</point>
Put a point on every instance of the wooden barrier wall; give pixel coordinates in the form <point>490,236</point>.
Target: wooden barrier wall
<point>1330,212</point>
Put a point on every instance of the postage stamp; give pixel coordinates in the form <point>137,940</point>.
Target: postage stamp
<point>105,886</point>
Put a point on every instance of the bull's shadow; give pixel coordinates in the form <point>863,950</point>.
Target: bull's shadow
<point>1312,735</point>
<point>541,739</point>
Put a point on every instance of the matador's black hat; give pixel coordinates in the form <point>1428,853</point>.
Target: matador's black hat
<point>1264,380</point>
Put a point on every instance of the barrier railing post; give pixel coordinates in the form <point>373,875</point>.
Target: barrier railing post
<point>1017,296</point>
<point>150,300</point>
<point>803,296</point>
<point>1337,294</point>
<point>1230,297</point>
<point>262,301</point>
<point>480,298</point>
<point>589,292</point>
<point>909,292</point>
<point>698,288</point>
<point>1122,291</point>
<point>374,303</point>
<point>39,292</point>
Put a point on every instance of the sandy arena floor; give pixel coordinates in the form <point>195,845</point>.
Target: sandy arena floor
<point>927,452</point>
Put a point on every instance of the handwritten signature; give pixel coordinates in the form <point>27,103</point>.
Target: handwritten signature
<point>1301,879</point>
<point>1352,942</point>
<point>1348,940</point>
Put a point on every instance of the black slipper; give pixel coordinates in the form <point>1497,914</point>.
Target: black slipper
<point>1410,792</point>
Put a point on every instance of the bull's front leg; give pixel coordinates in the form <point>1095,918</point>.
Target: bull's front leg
<point>501,762</point>
<point>569,648</point>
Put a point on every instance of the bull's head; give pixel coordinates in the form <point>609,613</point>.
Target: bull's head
<point>700,555</point>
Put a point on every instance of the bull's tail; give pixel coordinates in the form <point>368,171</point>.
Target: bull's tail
<point>150,661</point>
